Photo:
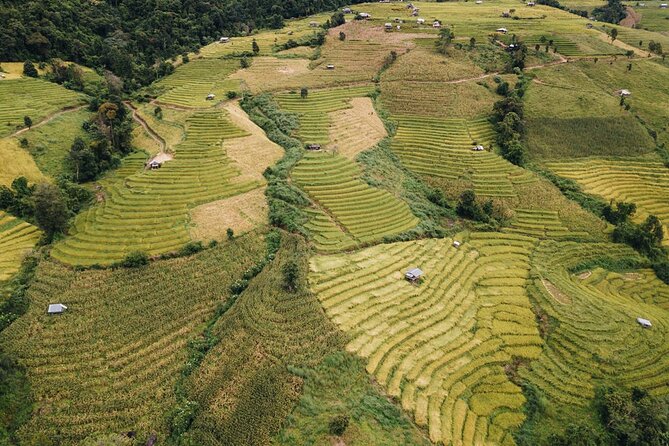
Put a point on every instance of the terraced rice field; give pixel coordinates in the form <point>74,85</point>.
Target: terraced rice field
<point>313,110</point>
<point>643,182</point>
<point>443,148</point>
<point>192,82</point>
<point>17,99</point>
<point>149,210</point>
<point>440,347</point>
<point>596,337</point>
<point>574,45</point>
<point>109,364</point>
<point>17,238</point>
<point>640,285</point>
<point>541,224</point>
<point>365,214</point>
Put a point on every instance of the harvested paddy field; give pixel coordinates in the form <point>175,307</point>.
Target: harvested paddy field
<point>356,129</point>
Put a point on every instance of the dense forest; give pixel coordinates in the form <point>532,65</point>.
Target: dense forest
<point>119,36</point>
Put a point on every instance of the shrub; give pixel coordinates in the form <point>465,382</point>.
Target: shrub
<point>338,425</point>
<point>291,276</point>
<point>230,233</point>
<point>191,248</point>
<point>232,94</point>
<point>135,259</point>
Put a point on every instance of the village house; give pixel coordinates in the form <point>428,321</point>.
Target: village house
<point>413,275</point>
<point>645,323</point>
<point>224,40</point>
<point>56,309</point>
<point>436,24</point>
<point>420,21</point>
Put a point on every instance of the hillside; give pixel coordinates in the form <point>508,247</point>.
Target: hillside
<point>381,224</point>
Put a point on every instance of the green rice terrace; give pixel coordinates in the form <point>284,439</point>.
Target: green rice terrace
<point>318,224</point>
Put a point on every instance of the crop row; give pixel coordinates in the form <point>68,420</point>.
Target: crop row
<point>597,337</point>
<point>368,214</point>
<point>31,97</point>
<point>149,210</point>
<point>443,148</point>
<point>16,239</point>
<point>642,182</point>
<point>110,362</point>
<point>439,346</point>
<point>541,224</point>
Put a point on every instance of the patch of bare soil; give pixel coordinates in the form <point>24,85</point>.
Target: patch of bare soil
<point>252,154</point>
<point>241,213</point>
<point>632,18</point>
<point>355,129</point>
<point>631,276</point>
<point>584,275</point>
<point>556,293</point>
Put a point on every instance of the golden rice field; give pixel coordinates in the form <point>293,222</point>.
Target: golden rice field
<point>542,224</point>
<point>643,182</point>
<point>17,238</point>
<point>596,337</point>
<point>443,148</point>
<point>314,109</point>
<point>440,347</point>
<point>356,129</point>
<point>149,210</point>
<point>363,213</point>
<point>109,364</point>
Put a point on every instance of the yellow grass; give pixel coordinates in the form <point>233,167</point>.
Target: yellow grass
<point>17,238</point>
<point>252,154</point>
<point>241,213</point>
<point>15,162</point>
<point>272,73</point>
<point>355,129</point>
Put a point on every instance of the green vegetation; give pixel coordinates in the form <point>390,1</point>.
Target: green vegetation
<point>125,336</point>
<point>148,211</point>
<point>34,98</point>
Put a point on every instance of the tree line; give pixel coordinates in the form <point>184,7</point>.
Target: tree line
<point>119,35</point>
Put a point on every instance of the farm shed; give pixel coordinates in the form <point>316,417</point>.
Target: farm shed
<point>365,15</point>
<point>479,2</point>
<point>645,323</point>
<point>663,5</point>
<point>211,96</point>
<point>388,26</point>
<point>313,24</point>
<point>624,92</point>
<point>502,30</point>
<point>420,21</point>
<point>346,10</point>
<point>330,66</point>
<point>56,309</point>
<point>531,3</point>
<point>436,24</point>
<point>224,39</point>
<point>313,147</point>
<point>478,148</point>
<point>588,25</point>
<point>456,244</point>
<point>154,165</point>
<point>413,274</point>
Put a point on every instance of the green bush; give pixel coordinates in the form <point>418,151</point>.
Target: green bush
<point>135,259</point>
<point>338,425</point>
<point>191,248</point>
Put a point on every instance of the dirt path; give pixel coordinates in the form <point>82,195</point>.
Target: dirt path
<point>46,120</point>
<point>152,133</point>
<point>622,45</point>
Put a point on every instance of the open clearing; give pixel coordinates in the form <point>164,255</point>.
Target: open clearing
<point>240,213</point>
<point>356,129</point>
<point>251,154</point>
